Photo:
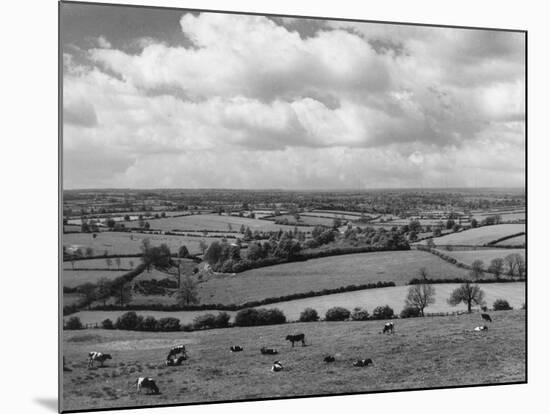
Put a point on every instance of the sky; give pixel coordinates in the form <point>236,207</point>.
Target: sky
<point>163,98</point>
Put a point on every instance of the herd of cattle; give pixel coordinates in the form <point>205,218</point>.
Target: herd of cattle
<point>178,354</point>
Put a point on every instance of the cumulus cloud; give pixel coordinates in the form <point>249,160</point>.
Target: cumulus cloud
<point>252,102</point>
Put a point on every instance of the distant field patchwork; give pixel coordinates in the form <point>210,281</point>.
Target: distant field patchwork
<point>479,236</point>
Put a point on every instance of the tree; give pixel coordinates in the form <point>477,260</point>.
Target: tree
<point>477,270</point>
<point>430,243</point>
<point>117,261</point>
<point>88,291</point>
<point>473,223</point>
<point>131,263</point>
<point>450,224</point>
<point>103,289</point>
<point>511,262</point>
<point>468,294</point>
<point>89,252</point>
<point>213,253</point>
<point>125,294</point>
<point>109,262</point>
<point>183,252</point>
<point>187,293</point>
<point>496,267</point>
<point>422,295</point>
<point>203,246</point>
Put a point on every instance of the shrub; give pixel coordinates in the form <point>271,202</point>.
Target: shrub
<point>207,321</point>
<point>107,324</point>
<point>410,312</point>
<point>252,317</point>
<point>246,317</point>
<point>169,324</point>
<point>74,323</point>
<point>382,312</point>
<point>149,324</point>
<point>222,320</point>
<point>309,315</point>
<point>337,314</point>
<point>501,304</point>
<point>359,314</point>
<point>271,316</point>
<point>188,327</point>
<point>129,321</point>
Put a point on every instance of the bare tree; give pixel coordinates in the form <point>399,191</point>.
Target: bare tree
<point>497,267</point>
<point>477,270</point>
<point>187,293</point>
<point>421,295</point>
<point>468,294</point>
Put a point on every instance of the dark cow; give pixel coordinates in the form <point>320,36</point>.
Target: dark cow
<point>388,328</point>
<point>236,348</point>
<point>148,384</point>
<point>329,358</point>
<point>297,338</point>
<point>362,362</point>
<point>175,361</point>
<point>486,317</point>
<point>97,356</point>
<point>268,351</point>
<point>277,366</point>
<point>176,350</point>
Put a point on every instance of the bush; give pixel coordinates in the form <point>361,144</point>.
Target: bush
<point>253,317</point>
<point>149,324</point>
<point>410,312</point>
<point>222,320</point>
<point>207,321</point>
<point>169,324</point>
<point>309,315</point>
<point>74,323</point>
<point>382,312</point>
<point>129,321</point>
<point>359,314</point>
<point>501,304</point>
<point>337,314</point>
<point>107,324</point>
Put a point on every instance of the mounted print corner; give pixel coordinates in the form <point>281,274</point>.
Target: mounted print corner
<point>259,206</point>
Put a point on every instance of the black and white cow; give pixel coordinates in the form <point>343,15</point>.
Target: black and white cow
<point>97,356</point>
<point>388,327</point>
<point>236,348</point>
<point>481,328</point>
<point>148,384</point>
<point>277,366</point>
<point>175,361</point>
<point>176,350</point>
<point>362,362</point>
<point>486,317</point>
<point>268,351</point>
<point>297,338</point>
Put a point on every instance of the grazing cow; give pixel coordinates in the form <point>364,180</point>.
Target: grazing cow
<point>277,366</point>
<point>486,317</point>
<point>236,348</point>
<point>97,356</point>
<point>329,358</point>
<point>268,351</point>
<point>481,328</point>
<point>175,361</point>
<point>297,338</point>
<point>362,362</point>
<point>176,350</point>
<point>388,327</point>
<point>148,384</point>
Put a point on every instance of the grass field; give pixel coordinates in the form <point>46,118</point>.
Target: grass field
<point>486,255</point>
<point>73,278</point>
<point>304,219</point>
<point>213,222</point>
<point>431,352</point>
<point>514,241</point>
<point>130,243</point>
<point>480,235</point>
<point>514,293</point>
<point>324,273</point>
<point>125,263</point>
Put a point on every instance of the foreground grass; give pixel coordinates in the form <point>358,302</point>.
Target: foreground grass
<point>429,352</point>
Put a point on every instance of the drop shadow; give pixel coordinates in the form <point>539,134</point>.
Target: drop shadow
<point>49,403</point>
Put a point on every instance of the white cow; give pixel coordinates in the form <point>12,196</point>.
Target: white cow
<point>97,356</point>
<point>148,384</point>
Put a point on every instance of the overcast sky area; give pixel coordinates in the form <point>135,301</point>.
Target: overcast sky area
<point>160,98</point>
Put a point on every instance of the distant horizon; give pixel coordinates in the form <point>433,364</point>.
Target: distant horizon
<point>289,190</point>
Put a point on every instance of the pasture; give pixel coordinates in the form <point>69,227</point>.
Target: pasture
<point>130,243</point>
<point>480,235</point>
<point>125,263</point>
<point>325,273</point>
<point>514,293</point>
<point>213,222</point>
<point>424,352</point>
<point>514,241</point>
<point>73,278</point>
<point>486,255</point>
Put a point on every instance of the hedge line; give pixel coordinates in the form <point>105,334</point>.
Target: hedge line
<point>492,243</point>
<point>416,281</point>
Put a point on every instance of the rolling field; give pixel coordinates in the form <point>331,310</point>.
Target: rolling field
<point>325,273</point>
<point>486,255</point>
<point>213,222</point>
<point>514,293</point>
<point>304,219</point>
<point>129,243</point>
<point>479,236</point>
<point>125,263</point>
<point>431,352</point>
